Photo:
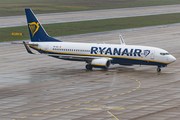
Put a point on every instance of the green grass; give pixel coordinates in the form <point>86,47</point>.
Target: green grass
<point>16,7</point>
<point>62,29</point>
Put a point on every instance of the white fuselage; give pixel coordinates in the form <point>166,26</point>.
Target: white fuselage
<point>120,54</point>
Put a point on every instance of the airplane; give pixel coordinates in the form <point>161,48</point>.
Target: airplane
<point>94,54</point>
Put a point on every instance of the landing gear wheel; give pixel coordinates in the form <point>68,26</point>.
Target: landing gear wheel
<point>158,69</point>
<point>88,67</point>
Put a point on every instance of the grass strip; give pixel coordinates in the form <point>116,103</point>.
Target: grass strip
<point>72,28</point>
<point>16,7</point>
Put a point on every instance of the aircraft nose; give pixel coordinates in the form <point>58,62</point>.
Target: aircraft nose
<point>171,59</point>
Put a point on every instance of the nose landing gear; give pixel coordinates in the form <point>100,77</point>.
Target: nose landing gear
<point>158,69</point>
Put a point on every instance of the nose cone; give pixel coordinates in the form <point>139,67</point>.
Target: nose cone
<point>171,59</point>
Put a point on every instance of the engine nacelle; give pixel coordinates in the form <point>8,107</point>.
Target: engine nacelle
<point>101,62</point>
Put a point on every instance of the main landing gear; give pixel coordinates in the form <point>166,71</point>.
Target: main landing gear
<point>88,67</point>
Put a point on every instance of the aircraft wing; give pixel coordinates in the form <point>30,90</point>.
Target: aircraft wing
<point>75,57</point>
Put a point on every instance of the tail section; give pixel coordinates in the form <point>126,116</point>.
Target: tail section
<point>36,31</point>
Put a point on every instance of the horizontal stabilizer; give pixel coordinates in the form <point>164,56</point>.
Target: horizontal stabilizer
<point>32,44</point>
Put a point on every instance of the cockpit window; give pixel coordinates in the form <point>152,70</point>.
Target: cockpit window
<point>164,53</point>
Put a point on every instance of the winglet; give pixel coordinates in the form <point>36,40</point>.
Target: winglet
<point>27,48</point>
<point>122,40</point>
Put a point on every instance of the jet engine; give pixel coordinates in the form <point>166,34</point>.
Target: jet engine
<point>101,62</point>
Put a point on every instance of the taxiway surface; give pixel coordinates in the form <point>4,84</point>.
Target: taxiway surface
<point>13,21</point>
<point>37,87</point>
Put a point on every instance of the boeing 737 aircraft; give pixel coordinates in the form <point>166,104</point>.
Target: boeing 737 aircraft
<point>95,55</point>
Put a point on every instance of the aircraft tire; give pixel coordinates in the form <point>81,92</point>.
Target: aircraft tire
<point>88,67</point>
<point>158,69</point>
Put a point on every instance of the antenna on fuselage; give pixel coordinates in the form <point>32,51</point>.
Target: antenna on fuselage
<point>122,40</point>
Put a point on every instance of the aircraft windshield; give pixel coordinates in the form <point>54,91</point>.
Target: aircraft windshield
<point>164,53</point>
